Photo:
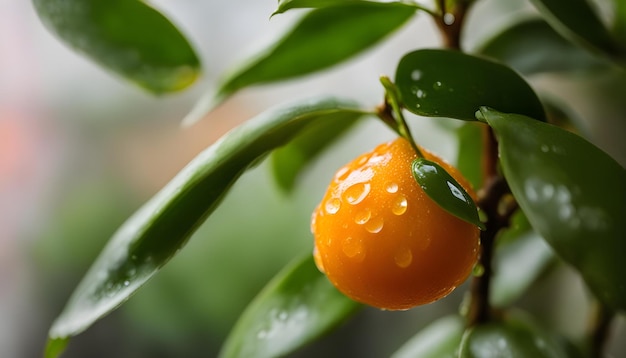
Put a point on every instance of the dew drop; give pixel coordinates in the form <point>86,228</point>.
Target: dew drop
<point>449,18</point>
<point>438,85</point>
<point>403,257</point>
<point>420,94</point>
<point>416,75</point>
<point>318,260</point>
<point>391,187</point>
<point>283,315</point>
<point>399,205</point>
<point>126,283</point>
<point>545,148</point>
<point>353,248</point>
<point>333,205</point>
<point>357,192</point>
<point>374,225</point>
<point>363,160</point>
<point>362,216</point>
<point>262,334</point>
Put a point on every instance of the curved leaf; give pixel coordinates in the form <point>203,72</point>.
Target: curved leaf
<point>577,21</point>
<point>573,194</point>
<point>445,191</point>
<point>440,339</point>
<point>324,37</point>
<point>444,83</point>
<point>127,37</point>
<point>296,307</point>
<point>513,338</point>
<point>289,160</point>
<point>155,233</point>
<point>532,46</point>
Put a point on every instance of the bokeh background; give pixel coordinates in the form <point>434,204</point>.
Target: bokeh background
<point>81,149</point>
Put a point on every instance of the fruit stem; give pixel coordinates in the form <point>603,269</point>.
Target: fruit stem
<point>392,99</point>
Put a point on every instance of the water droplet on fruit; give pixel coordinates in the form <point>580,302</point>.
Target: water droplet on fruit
<point>356,193</point>
<point>333,205</point>
<point>391,187</point>
<point>363,160</point>
<point>403,257</point>
<point>375,225</point>
<point>399,205</point>
<point>342,173</point>
<point>353,248</point>
<point>362,216</point>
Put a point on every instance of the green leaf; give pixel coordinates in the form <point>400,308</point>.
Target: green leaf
<point>573,194</point>
<point>289,161</point>
<point>518,263</point>
<point>531,46</point>
<point>513,338</point>
<point>322,38</point>
<point>440,339</point>
<point>127,37</point>
<point>296,307</point>
<point>577,21</point>
<point>155,233</point>
<point>445,191</point>
<point>444,83</point>
<point>469,154</point>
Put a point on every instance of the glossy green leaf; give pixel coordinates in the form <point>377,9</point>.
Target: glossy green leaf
<point>512,338</point>
<point>518,263</point>
<point>531,46</point>
<point>445,83</point>
<point>127,37</point>
<point>322,38</point>
<point>577,21</point>
<point>469,154</point>
<point>445,191</point>
<point>290,160</point>
<point>573,194</point>
<point>296,307</point>
<point>440,339</point>
<point>155,233</point>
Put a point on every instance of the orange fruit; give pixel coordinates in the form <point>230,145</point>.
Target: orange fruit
<point>382,241</point>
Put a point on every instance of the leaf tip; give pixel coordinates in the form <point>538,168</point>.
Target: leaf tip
<point>205,105</point>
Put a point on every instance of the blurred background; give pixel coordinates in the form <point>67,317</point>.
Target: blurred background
<point>81,150</point>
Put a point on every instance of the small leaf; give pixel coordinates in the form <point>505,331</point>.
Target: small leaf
<point>513,338</point>
<point>531,46</point>
<point>289,160</point>
<point>127,37</point>
<point>324,37</point>
<point>573,194</point>
<point>518,263</point>
<point>444,83</point>
<point>440,339</point>
<point>469,154</point>
<point>155,233</point>
<point>445,191</point>
<point>577,21</point>
<point>296,307</point>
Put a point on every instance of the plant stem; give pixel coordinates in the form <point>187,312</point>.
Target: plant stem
<point>450,22</point>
